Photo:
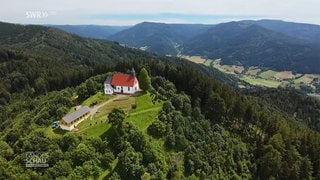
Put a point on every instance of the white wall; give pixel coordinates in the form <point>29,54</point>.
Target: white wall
<point>136,87</point>
<point>125,89</point>
<point>128,90</point>
<point>117,89</point>
<point>66,127</point>
<point>108,89</point>
<point>75,124</point>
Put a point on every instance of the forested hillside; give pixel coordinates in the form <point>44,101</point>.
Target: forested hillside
<point>306,32</point>
<point>248,44</point>
<point>295,105</point>
<point>159,37</point>
<point>91,31</point>
<point>46,59</point>
<point>268,44</point>
<point>204,130</point>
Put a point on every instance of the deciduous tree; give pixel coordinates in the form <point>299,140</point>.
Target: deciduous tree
<point>116,117</point>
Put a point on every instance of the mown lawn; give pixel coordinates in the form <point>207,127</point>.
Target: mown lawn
<point>98,125</point>
<point>141,117</point>
<point>95,130</point>
<point>99,97</point>
<point>145,112</point>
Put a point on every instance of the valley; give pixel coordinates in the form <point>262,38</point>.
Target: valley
<point>307,83</point>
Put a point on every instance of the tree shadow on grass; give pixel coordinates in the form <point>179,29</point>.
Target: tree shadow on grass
<point>139,93</point>
<point>59,131</point>
<point>109,134</point>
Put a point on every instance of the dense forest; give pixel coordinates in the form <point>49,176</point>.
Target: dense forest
<point>209,130</point>
<point>292,104</point>
<point>160,38</point>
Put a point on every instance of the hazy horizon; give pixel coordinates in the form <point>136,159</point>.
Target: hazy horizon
<point>128,12</point>
<point>130,25</point>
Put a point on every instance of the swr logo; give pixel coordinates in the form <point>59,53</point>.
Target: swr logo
<point>37,14</point>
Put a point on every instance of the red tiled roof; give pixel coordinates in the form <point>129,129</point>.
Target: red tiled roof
<point>123,80</point>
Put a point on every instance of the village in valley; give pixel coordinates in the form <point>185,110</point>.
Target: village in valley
<point>120,90</point>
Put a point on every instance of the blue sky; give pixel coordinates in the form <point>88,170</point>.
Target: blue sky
<point>129,12</point>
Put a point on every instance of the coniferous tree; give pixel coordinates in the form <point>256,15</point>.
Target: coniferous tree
<point>144,80</point>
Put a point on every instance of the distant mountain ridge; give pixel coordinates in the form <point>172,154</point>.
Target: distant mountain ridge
<point>306,32</point>
<point>252,45</point>
<point>46,58</point>
<point>271,44</point>
<point>160,37</point>
<point>91,31</point>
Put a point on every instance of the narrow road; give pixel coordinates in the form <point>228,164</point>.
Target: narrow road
<point>95,109</point>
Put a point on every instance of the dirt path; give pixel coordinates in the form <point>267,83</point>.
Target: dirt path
<point>95,109</point>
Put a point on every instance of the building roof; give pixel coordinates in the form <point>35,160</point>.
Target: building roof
<point>108,80</point>
<point>76,114</point>
<point>123,80</point>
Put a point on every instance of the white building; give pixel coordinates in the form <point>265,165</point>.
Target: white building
<point>121,83</point>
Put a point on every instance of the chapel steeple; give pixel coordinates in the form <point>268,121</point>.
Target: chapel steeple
<point>133,72</point>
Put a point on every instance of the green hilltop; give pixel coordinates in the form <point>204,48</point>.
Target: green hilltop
<point>188,125</point>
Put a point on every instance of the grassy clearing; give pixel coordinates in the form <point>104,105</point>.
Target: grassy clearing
<point>253,71</point>
<point>283,75</point>
<point>123,103</point>
<point>261,82</point>
<point>216,64</point>
<point>96,130</point>
<point>144,118</point>
<point>145,113</point>
<point>195,59</point>
<point>99,97</point>
<point>307,78</point>
<point>268,74</point>
<point>54,132</point>
<point>141,117</point>
<point>233,69</point>
<point>98,124</point>
<point>208,62</point>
